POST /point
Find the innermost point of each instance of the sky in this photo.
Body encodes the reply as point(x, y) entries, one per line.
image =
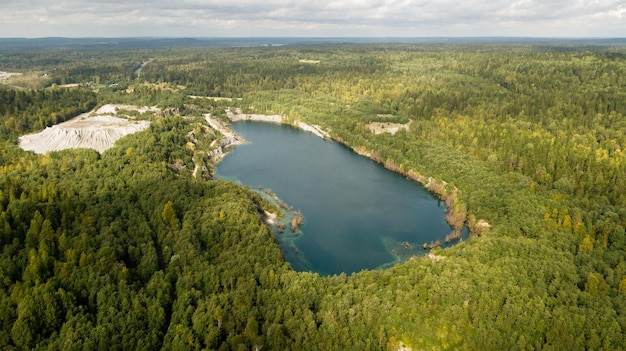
point(318, 18)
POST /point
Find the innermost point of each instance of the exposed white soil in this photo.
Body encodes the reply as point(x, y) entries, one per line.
point(6, 75)
point(224, 130)
point(434, 258)
point(218, 147)
point(270, 218)
point(111, 109)
point(239, 116)
point(97, 130)
point(383, 127)
point(71, 85)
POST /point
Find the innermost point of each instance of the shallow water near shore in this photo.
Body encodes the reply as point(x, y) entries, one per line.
point(357, 214)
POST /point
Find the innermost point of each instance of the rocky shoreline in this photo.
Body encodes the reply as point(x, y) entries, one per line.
point(456, 214)
point(219, 148)
point(238, 115)
point(456, 211)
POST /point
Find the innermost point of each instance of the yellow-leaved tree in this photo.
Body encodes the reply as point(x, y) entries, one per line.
point(169, 216)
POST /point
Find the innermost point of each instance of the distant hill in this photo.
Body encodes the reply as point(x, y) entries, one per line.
point(56, 43)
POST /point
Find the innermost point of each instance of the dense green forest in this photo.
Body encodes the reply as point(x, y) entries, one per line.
point(123, 250)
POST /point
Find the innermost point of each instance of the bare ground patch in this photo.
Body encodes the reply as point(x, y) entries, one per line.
point(384, 127)
point(98, 130)
point(29, 80)
point(314, 62)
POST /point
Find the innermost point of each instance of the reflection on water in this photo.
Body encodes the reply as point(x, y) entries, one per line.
point(357, 215)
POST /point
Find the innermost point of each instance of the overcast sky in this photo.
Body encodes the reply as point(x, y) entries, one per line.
point(326, 18)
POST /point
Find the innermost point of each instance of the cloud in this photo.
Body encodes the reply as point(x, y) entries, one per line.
point(313, 18)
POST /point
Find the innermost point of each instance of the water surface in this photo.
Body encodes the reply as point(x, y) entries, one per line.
point(358, 215)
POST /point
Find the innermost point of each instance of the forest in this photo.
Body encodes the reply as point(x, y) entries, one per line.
point(124, 250)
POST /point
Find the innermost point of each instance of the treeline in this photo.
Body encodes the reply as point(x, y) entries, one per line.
point(76, 65)
point(128, 250)
point(23, 111)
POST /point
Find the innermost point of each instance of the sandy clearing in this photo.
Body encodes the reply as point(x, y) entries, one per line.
point(6, 75)
point(391, 128)
point(92, 130)
point(71, 85)
point(111, 109)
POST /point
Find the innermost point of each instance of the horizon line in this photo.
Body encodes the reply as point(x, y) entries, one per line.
point(320, 37)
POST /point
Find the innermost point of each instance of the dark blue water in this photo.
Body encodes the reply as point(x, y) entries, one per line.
point(358, 215)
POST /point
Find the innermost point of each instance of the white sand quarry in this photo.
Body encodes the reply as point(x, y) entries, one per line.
point(97, 130)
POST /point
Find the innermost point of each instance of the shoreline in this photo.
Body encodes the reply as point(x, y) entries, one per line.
point(230, 139)
point(457, 215)
point(279, 119)
point(456, 212)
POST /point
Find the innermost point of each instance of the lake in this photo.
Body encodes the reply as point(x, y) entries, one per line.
point(357, 214)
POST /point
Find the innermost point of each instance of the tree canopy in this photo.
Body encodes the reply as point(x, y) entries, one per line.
point(129, 250)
